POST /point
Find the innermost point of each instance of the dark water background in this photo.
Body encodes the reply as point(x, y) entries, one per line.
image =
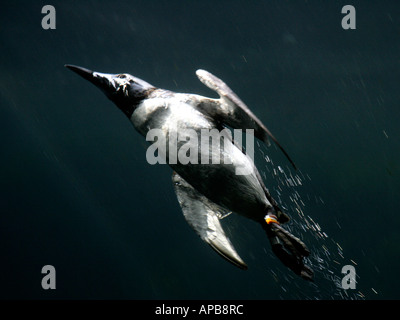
point(76, 190)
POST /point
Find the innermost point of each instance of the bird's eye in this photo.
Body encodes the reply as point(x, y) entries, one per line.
point(121, 76)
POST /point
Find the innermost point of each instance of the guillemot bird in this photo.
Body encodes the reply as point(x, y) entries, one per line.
point(207, 192)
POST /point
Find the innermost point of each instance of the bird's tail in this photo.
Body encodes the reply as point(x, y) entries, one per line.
point(288, 248)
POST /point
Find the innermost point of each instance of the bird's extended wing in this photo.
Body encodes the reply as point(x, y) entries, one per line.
point(202, 215)
point(233, 112)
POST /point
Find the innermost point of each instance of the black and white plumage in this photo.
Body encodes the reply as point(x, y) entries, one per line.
point(207, 192)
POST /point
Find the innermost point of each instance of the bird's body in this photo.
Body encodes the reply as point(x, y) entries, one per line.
point(206, 190)
point(174, 113)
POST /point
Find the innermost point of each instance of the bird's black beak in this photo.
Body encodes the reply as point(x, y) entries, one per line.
point(124, 90)
point(103, 81)
point(83, 72)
